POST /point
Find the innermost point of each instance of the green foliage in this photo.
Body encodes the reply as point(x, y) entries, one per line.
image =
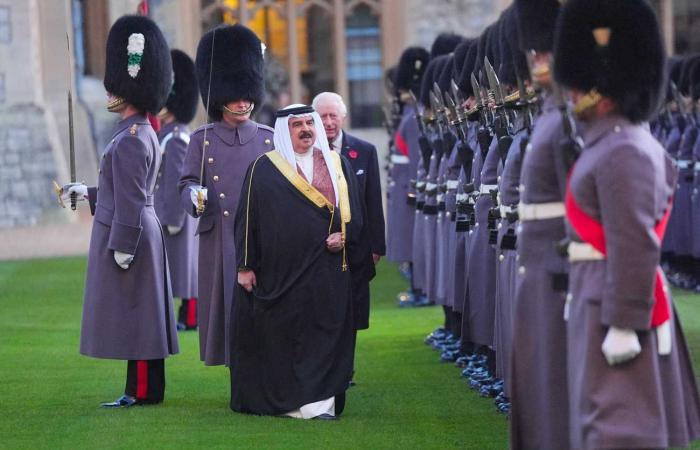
point(405, 398)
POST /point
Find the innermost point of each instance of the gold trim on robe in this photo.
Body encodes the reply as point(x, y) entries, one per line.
point(310, 192)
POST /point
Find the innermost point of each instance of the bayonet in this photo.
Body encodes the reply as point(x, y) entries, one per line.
point(494, 83)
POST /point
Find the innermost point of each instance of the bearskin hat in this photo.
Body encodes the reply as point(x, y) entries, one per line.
point(536, 23)
point(614, 47)
point(445, 77)
point(444, 44)
point(460, 54)
point(432, 74)
point(411, 67)
point(468, 67)
point(182, 101)
point(137, 64)
point(235, 66)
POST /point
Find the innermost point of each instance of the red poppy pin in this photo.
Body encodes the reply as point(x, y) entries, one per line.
point(352, 154)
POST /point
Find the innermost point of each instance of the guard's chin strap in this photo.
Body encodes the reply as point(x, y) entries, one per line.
point(240, 113)
point(115, 104)
point(588, 101)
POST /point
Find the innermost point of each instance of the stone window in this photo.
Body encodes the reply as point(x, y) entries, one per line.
point(5, 25)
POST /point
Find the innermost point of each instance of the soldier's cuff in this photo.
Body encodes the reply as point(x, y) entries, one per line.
point(124, 238)
point(632, 314)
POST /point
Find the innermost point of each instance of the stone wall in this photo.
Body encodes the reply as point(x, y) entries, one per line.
point(27, 167)
point(427, 19)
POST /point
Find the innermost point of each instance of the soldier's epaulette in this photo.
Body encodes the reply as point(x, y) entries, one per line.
point(133, 129)
point(265, 127)
point(207, 126)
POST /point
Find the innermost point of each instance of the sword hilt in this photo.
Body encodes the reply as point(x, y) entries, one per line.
point(200, 203)
point(58, 190)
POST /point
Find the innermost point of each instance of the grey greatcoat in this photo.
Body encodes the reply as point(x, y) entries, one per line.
point(418, 247)
point(128, 314)
point(404, 164)
point(695, 202)
point(226, 158)
point(680, 222)
point(482, 257)
point(430, 210)
point(538, 389)
point(469, 186)
point(452, 170)
point(182, 247)
point(672, 144)
point(652, 400)
point(506, 268)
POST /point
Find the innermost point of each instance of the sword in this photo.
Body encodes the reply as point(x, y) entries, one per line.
point(200, 194)
point(71, 138)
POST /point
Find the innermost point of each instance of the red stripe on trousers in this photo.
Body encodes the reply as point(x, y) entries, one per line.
point(192, 312)
point(141, 379)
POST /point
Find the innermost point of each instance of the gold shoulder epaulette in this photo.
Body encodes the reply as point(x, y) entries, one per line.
point(133, 128)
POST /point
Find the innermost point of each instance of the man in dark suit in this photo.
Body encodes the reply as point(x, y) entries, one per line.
point(363, 158)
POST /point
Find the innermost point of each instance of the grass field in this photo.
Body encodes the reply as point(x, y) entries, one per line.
point(405, 399)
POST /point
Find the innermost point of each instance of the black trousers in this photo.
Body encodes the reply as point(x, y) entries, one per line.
point(145, 380)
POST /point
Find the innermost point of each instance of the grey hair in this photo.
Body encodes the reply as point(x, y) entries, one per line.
point(330, 96)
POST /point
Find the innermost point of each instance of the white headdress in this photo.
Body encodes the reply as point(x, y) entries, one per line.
point(283, 140)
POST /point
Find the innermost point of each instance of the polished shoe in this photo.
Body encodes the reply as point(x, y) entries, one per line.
point(125, 401)
point(450, 356)
point(423, 301)
point(503, 408)
point(326, 416)
point(437, 334)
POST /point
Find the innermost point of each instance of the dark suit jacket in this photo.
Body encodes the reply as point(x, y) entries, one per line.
point(363, 158)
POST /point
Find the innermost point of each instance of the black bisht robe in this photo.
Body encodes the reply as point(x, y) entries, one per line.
point(292, 337)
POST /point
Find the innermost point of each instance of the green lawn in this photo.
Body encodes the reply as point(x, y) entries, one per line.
point(404, 398)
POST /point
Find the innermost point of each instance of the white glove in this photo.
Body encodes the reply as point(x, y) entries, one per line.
point(123, 259)
point(620, 345)
point(80, 190)
point(194, 195)
point(173, 230)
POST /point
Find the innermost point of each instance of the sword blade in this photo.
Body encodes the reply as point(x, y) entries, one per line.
point(71, 134)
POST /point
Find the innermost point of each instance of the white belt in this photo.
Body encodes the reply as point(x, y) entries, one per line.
point(697, 166)
point(452, 184)
point(440, 198)
point(430, 187)
point(461, 198)
point(541, 211)
point(487, 188)
point(582, 251)
point(684, 163)
point(399, 159)
point(420, 184)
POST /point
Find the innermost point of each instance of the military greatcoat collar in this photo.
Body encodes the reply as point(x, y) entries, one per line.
point(166, 128)
point(136, 119)
point(245, 132)
point(598, 128)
